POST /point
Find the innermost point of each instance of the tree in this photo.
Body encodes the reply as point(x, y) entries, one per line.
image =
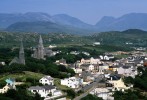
point(37, 97)
point(91, 97)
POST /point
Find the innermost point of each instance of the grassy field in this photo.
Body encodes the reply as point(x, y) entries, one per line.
point(21, 76)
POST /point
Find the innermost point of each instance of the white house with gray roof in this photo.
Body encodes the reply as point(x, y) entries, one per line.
point(47, 80)
point(43, 91)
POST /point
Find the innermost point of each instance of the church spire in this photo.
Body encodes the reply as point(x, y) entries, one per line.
point(40, 40)
point(21, 48)
point(21, 54)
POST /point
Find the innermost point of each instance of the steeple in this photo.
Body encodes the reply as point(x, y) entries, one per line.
point(40, 40)
point(40, 49)
point(39, 53)
point(21, 48)
point(21, 54)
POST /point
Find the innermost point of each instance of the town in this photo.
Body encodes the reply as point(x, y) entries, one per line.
point(101, 76)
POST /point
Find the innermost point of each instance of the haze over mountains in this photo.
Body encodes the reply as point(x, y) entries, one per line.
point(45, 23)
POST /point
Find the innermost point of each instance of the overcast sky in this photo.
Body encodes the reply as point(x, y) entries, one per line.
point(89, 11)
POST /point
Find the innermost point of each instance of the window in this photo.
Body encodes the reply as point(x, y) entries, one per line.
point(34, 90)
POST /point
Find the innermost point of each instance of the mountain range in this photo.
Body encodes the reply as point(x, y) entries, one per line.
point(45, 23)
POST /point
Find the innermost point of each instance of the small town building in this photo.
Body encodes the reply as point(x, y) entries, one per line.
point(47, 80)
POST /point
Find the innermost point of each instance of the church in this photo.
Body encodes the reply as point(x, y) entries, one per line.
point(39, 52)
point(21, 58)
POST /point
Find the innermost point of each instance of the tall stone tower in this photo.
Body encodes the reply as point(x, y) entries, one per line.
point(40, 49)
point(21, 54)
point(21, 58)
point(39, 53)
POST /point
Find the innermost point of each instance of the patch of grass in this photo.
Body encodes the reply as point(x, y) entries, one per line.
point(121, 56)
point(21, 76)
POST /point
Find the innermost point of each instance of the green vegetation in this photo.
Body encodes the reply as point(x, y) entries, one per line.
point(58, 84)
point(129, 95)
point(12, 39)
point(140, 80)
point(34, 65)
point(21, 76)
point(19, 94)
point(139, 90)
point(135, 36)
point(91, 97)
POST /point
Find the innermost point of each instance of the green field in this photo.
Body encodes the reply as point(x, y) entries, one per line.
point(21, 76)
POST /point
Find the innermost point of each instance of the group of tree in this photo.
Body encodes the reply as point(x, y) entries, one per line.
point(129, 95)
point(19, 94)
point(140, 80)
point(47, 66)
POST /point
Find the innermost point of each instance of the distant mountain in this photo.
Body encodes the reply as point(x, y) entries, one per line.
point(8, 19)
point(64, 19)
point(106, 20)
point(64, 23)
point(128, 21)
point(45, 27)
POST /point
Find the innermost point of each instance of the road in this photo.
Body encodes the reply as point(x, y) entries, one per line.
point(90, 87)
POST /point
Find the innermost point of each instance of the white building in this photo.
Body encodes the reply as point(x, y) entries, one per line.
point(106, 57)
point(96, 43)
point(43, 91)
point(90, 61)
point(127, 72)
point(72, 82)
point(103, 93)
point(91, 67)
point(47, 80)
point(77, 70)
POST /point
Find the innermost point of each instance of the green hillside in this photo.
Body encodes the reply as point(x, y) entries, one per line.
point(12, 39)
point(134, 36)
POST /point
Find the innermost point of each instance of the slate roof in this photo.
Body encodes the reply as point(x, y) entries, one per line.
point(45, 87)
point(48, 77)
point(48, 87)
point(36, 88)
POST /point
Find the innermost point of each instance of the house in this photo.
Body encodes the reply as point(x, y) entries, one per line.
point(117, 83)
point(43, 91)
point(47, 80)
point(6, 88)
point(2, 63)
point(90, 61)
point(61, 62)
point(52, 46)
point(77, 70)
point(103, 93)
point(127, 71)
point(89, 67)
point(106, 57)
point(96, 43)
point(72, 82)
point(86, 53)
point(103, 66)
point(10, 85)
point(75, 52)
point(86, 76)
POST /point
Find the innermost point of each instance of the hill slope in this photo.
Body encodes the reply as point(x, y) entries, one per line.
point(45, 27)
point(128, 21)
point(135, 36)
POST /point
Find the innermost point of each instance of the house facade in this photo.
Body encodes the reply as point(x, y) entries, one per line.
point(47, 80)
point(72, 82)
point(43, 91)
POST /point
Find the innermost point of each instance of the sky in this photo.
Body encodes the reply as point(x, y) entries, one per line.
point(89, 11)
